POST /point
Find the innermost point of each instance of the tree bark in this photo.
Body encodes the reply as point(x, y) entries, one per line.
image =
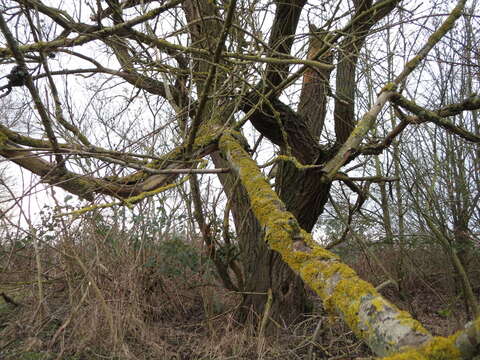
point(263, 268)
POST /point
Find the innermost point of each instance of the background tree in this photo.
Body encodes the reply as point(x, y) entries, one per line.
point(444, 193)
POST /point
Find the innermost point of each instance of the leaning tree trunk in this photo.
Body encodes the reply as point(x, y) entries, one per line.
point(263, 268)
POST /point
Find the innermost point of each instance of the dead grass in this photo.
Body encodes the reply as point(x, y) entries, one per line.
point(110, 295)
point(429, 288)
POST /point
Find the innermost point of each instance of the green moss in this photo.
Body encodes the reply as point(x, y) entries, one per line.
point(32, 355)
point(391, 86)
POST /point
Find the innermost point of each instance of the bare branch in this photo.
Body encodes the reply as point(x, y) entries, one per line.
point(351, 146)
point(211, 75)
point(424, 115)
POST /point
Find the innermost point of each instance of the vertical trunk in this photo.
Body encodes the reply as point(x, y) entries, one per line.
point(387, 223)
point(401, 268)
point(305, 196)
point(263, 268)
point(288, 291)
point(461, 257)
point(315, 88)
point(303, 193)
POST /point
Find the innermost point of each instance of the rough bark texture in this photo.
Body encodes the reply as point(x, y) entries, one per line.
point(386, 329)
point(350, 47)
point(263, 268)
point(303, 192)
point(287, 14)
point(315, 88)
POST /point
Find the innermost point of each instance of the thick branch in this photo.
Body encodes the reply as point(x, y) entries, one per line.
point(168, 168)
point(270, 117)
point(425, 115)
point(462, 345)
point(40, 107)
point(385, 328)
point(315, 87)
point(295, 126)
point(284, 26)
point(79, 185)
point(472, 103)
point(351, 146)
point(211, 74)
point(344, 113)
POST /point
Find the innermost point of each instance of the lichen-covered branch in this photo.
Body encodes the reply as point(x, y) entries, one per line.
point(129, 201)
point(40, 107)
point(465, 345)
point(447, 25)
point(386, 329)
point(351, 147)
point(49, 173)
point(425, 115)
point(85, 186)
point(471, 103)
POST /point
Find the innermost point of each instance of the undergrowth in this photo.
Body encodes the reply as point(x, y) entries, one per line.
point(89, 290)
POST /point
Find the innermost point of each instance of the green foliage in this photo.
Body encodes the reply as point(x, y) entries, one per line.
point(445, 313)
point(31, 355)
point(175, 257)
point(228, 252)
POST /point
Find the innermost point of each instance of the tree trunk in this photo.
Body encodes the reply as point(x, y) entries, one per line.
point(268, 271)
point(461, 255)
point(263, 268)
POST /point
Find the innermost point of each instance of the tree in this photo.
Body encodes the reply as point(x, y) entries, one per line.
point(211, 65)
point(443, 186)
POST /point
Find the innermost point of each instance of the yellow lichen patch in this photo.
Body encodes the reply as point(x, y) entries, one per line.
point(341, 269)
point(391, 86)
point(299, 257)
point(129, 202)
point(347, 298)
point(405, 319)
point(379, 304)
point(438, 348)
point(311, 274)
point(322, 253)
point(292, 160)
